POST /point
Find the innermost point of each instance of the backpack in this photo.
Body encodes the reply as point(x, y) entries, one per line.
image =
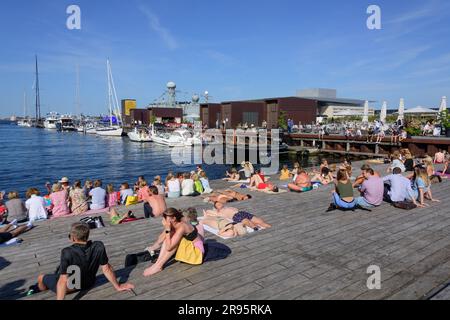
point(93, 222)
point(405, 205)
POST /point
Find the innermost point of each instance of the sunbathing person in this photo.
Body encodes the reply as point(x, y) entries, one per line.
point(176, 233)
point(226, 196)
point(116, 218)
point(233, 176)
point(226, 227)
point(11, 231)
point(237, 216)
point(325, 177)
point(302, 183)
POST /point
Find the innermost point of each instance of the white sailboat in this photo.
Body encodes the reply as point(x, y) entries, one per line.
point(113, 130)
point(25, 122)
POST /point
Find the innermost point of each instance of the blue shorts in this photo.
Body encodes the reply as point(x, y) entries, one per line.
point(241, 216)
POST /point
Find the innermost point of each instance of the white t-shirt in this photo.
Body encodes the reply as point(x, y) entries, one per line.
point(98, 198)
point(173, 185)
point(124, 194)
point(36, 208)
point(187, 187)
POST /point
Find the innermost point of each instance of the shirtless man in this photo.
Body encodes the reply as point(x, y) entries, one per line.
point(302, 183)
point(227, 196)
point(154, 204)
point(236, 216)
point(439, 157)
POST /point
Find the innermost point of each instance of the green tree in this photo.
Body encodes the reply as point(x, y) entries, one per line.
point(282, 121)
point(152, 119)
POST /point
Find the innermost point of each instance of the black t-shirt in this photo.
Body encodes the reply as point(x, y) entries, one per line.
point(87, 257)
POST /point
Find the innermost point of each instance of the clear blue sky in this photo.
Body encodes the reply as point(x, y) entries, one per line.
point(234, 49)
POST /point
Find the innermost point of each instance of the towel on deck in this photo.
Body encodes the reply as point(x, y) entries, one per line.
point(12, 242)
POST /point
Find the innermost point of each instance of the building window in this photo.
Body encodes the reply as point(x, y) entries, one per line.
point(250, 118)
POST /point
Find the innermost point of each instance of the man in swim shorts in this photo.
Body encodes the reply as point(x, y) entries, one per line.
point(237, 216)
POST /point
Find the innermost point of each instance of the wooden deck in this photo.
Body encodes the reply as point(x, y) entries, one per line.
point(308, 254)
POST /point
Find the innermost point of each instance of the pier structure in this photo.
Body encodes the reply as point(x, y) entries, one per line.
point(419, 146)
point(307, 254)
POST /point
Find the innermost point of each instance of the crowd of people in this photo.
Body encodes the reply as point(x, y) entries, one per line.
point(63, 198)
point(407, 184)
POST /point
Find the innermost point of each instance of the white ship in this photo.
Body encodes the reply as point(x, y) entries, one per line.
point(51, 120)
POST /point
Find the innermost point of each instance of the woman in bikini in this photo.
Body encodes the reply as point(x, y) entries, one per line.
point(226, 196)
point(175, 231)
point(226, 227)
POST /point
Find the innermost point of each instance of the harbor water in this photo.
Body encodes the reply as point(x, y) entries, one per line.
point(31, 157)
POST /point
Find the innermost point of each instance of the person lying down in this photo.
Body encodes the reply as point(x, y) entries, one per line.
point(225, 196)
point(237, 216)
point(226, 228)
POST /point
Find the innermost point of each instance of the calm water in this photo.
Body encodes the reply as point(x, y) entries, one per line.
point(31, 157)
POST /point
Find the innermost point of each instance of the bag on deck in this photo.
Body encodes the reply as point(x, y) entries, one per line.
point(131, 200)
point(136, 258)
point(93, 222)
point(405, 205)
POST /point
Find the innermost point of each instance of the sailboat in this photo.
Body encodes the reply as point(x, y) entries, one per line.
point(114, 128)
point(25, 122)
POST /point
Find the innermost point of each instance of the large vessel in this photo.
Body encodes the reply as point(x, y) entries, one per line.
point(114, 128)
point(51, 120)
point(65, 123)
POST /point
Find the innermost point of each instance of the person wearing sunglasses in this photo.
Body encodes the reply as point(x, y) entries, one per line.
point(179, 238)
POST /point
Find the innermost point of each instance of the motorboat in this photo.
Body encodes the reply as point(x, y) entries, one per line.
point(51, 120)
point(177, 138)
point(87, 128)
point(140, 135)
point(65, 123)
point(28, 123)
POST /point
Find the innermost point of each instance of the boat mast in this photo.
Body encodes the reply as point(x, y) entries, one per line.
point(109, 92)
point(77, 92)
point(24, 104)
point(114, 99)
point(38, 98)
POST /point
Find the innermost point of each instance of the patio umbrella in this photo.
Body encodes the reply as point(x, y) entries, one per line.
point(366, 112)
point(443, 104)
point(401, 110)
point(383, 113)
